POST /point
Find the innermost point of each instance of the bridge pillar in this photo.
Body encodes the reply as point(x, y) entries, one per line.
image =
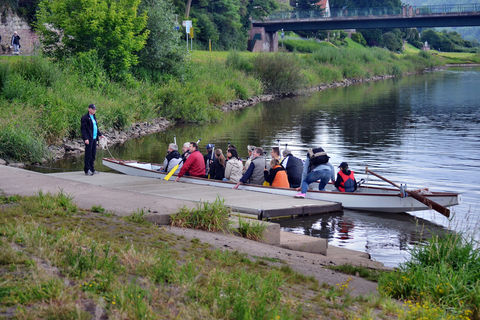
point(260, 40)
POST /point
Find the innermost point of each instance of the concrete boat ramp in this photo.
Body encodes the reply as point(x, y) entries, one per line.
point(262, 205)
point(124, 195)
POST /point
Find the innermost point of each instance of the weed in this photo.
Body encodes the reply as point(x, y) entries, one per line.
point(252, 231)
point(206, 216)
point(98, 209)
point(366, 273)
point(137, 217)
point(9, 199)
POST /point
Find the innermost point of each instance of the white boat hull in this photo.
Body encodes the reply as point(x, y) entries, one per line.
point(365, 198)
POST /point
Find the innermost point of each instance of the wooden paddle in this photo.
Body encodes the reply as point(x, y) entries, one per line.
point(170, 174)
point(416, 195)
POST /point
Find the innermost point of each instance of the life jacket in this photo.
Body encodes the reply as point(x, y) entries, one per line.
point(348, 183)
point(317, 157)
point(281, 179)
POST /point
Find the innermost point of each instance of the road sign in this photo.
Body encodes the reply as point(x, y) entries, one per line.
point(187, 24)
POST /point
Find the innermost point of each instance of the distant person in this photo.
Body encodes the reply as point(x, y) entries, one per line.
point(254, 173)
point(234, 166)
point(217, 168)
point(294, 167)
point(194, 166)
point(185, 151)
point(277, 175)
point(250, 157)
point(275, 153)
point(16, 43)
point(345, 179)
point(172, 159)
point(90, 136)
point(208, 158)
point(316, 167)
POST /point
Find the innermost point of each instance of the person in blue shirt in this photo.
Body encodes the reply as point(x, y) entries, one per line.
point(90, 136)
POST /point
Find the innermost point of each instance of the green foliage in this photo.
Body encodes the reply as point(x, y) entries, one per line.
point(19, 143)
point(98, 209)
point(278, 72)
point(111, 27)
point(164, 52)
point(366, 273)
point(304, 46)
point(47, 204)
point(207, 216)
point(442, 273)
point(392, 42)
point(358, 37)
point(89, 67)
point(251, 230)
point(239, 62)
point(137, 217)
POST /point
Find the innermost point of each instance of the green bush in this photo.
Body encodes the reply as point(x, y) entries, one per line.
point(304, 46)
point(278, 72)
point(443, 272)
point(358, 38)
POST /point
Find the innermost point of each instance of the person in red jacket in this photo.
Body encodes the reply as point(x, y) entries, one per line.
point(194, 166)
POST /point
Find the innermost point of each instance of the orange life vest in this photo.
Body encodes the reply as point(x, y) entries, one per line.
point(281, 179)
point(348, 183)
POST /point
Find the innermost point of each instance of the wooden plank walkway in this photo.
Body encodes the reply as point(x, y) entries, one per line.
point(262, 205)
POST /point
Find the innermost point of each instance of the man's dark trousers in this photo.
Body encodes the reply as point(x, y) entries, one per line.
point(90, 153)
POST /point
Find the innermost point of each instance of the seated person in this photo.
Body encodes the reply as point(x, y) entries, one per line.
point(316, 167)
point(217, 168)
point(254, 173)
point(194, 166)
point(345, 179)
point(172, 159)
point(234, 166)
point(294, 167)
point(277, 175)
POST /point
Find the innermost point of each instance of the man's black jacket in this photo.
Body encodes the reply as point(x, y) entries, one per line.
point(87, 128)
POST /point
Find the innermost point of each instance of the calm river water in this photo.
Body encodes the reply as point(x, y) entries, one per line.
point(422, 130)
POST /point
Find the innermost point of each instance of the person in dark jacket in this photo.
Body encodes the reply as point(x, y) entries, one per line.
point(90, 136)
point(16, 43)
point(208, 158)
point(345, 181)
point(294, 167)
point(217, 168)
point(254, 173)
point(172, 159)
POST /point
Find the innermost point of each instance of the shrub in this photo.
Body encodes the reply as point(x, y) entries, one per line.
point(278, 72)
point(358, 38)
point(441, 273)
point(19, 143)
point(38, 70)
point(236, 61)
point(207, 216)
point(252, 231)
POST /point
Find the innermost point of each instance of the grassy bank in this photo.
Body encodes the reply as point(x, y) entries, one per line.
point(41, 102)
point(59, 262)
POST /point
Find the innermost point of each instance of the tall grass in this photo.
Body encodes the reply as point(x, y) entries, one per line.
point(206, 216)
point(444, 273)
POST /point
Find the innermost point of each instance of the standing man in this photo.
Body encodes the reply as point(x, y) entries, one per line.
point(90, 136)
point(194, 165)
point(254, 173)
point(16, 43)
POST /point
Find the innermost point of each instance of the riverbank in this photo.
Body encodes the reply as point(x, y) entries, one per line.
point(45, 100)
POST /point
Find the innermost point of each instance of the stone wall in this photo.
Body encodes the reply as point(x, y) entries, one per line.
point(9, 23)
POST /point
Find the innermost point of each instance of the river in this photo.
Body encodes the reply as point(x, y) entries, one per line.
point(423, 130)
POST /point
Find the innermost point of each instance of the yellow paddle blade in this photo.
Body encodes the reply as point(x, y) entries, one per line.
point(266, 184)
point(170, 174)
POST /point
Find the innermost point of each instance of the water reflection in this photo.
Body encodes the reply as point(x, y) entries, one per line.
point(386, 237)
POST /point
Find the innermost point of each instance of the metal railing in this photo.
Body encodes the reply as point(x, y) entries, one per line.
point(407, 11)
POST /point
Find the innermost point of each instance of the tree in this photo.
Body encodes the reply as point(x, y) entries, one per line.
point(392, 41)
point(111, 28)
point(164, 51)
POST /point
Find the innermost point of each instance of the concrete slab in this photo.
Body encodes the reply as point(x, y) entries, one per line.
point(271, 235)
point(85, 194)
point(300, 242)
point(261, 204)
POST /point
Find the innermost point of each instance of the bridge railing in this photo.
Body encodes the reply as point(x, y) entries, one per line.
point(365, 12)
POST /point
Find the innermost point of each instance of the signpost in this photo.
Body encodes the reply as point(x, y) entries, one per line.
point(188, 25)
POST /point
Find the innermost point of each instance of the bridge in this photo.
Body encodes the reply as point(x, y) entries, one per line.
point(264, 35)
